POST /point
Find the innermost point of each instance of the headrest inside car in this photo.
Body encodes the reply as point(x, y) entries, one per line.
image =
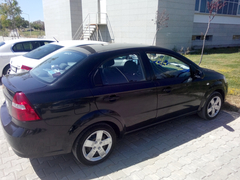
point(108, 63)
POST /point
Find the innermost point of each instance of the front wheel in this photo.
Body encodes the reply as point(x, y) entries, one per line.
point(212, 106)
point(95, 144)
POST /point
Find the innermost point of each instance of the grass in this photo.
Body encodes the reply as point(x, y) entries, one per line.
point(227, 62)
point(34, 34)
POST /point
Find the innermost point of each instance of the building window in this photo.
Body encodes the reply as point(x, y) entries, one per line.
point(197, 37)
point(232, 7)
point(236, 37)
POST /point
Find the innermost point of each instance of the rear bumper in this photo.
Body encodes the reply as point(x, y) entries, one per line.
point(27, 141)
point(15, 70)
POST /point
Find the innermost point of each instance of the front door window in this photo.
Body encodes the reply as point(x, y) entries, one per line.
point(166, 67)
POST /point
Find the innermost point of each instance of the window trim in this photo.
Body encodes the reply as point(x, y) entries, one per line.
point(236, 37)
point(227, 1)
point(208, 37)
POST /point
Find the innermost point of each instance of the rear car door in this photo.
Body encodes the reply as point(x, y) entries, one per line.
point(123, 91)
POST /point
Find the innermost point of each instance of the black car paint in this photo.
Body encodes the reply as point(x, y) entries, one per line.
point(65, 115)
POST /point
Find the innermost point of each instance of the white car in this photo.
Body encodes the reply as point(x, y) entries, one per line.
point(32, 59)
point(17, 47)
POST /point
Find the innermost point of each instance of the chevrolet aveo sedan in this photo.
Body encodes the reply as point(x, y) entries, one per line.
point(82, 99)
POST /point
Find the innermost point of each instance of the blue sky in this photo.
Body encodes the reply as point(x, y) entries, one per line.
point(33, 8)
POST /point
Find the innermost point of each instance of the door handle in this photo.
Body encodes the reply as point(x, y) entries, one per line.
point(167, 90)
point(111, 98)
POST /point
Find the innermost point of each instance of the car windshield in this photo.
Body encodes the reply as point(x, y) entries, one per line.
point(57, 65)
point(2, 43)
point(42, 51)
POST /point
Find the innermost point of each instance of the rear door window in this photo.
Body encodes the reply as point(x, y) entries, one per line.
point(126, 68)
point(22, 47)
point(28, 46)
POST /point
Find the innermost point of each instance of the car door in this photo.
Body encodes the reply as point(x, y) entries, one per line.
point(176, 90)
point(124, 91)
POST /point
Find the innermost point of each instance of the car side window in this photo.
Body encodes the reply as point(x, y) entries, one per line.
point(18, 47)
point(46, 42)
point(27, 46)
point(36, 44)
point(165, 66)
point(22, 47)
point(122, 69)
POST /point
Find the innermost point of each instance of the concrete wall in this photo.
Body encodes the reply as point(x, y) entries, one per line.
point(178, 34)
point(134, 22)
point(222, 35)
point(131, 20)
point(89, 6)
point(76, 15)
point(222, 29)
point(62, 18)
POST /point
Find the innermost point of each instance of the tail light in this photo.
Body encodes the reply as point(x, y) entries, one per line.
point(26, 67)
point(22, 109)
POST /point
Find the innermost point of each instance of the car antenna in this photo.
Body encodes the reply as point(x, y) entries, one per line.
point(55, 39)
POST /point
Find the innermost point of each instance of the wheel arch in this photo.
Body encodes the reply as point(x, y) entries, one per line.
point(93, 118)
point(4, 69)
point(215, 88)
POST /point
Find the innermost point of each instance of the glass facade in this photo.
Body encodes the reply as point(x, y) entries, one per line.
point(231, 7)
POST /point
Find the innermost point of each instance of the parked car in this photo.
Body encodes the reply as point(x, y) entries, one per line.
point(17, 47)
point(31, 59)
point(79, 100)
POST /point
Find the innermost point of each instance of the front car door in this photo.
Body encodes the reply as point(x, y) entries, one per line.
point(177, 93)
point(125, 91)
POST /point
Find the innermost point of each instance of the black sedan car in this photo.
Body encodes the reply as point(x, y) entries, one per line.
point(84, 98)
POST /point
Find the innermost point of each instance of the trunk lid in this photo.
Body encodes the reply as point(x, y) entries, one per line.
point(18, 83)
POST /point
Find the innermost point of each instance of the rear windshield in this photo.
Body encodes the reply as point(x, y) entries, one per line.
point(2, 43)
point(54, 67)
point(42, 51)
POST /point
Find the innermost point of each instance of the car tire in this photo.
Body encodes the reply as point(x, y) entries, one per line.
point(212, 106)
point(95, 144)
point(7, 70)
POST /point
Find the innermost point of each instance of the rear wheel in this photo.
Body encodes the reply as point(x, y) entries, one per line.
point(95, 144)
point(212, 106)
point(7, 70)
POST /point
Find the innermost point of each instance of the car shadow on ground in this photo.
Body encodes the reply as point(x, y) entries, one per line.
point(133, 149)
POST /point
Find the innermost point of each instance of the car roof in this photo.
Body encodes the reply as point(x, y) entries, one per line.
point(99, 48)
point(94, 49)
point(70, 43)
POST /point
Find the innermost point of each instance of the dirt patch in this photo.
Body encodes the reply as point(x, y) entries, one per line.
point(232, 103)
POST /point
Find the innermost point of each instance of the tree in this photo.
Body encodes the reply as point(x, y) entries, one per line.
point(21, 22)
point(9, 11)
point(212, 7)
point(161, 22)
point(38, 25)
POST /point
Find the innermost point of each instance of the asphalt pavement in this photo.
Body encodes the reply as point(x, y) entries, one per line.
point(186, 148)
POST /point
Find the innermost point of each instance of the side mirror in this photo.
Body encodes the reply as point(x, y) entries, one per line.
point(198, 74)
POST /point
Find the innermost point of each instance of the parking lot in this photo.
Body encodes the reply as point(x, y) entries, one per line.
point(184, 148)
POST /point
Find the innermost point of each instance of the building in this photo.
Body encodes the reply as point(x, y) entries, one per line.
point(133, 21)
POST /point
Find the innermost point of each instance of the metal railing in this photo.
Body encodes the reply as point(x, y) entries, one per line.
point(91, 20)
